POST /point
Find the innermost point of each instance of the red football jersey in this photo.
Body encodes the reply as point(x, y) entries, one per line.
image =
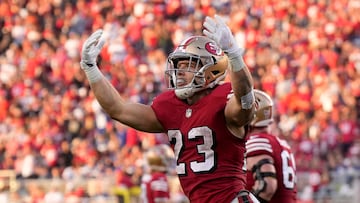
point(154, 187)
point(209, 158)
point(280, 151)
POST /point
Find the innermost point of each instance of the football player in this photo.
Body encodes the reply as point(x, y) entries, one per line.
point(154, 183)
point(204, 117)
point(271, 172)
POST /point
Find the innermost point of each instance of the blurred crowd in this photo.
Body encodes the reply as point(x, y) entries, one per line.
point(305, 54)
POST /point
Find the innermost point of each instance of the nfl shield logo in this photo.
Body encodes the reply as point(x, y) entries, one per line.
point(188, 113)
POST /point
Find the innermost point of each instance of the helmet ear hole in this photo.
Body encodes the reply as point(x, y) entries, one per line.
point(215, 72)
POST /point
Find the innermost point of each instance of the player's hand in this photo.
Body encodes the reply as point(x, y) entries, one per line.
point(217, 30)
point(91, 49)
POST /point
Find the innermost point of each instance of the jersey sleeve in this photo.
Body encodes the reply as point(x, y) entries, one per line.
point(256, 145)
point(166, 107)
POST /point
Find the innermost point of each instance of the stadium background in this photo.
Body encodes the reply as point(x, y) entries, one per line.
point(55, 137)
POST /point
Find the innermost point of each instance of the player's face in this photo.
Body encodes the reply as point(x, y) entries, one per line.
point(185, 72)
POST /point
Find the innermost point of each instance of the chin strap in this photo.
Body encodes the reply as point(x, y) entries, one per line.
point(188, 91)
point(185, 92)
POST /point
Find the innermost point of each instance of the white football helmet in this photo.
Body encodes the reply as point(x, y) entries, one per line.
point(211, 65)
point(155, 159)
point(264, 105)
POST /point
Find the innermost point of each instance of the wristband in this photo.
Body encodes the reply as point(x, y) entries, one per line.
point(237, 63)
point(234, 52)
point(92, 72)
point(236, 59)
point(247, 100)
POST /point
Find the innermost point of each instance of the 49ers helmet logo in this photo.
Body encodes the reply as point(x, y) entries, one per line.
point(213, 49)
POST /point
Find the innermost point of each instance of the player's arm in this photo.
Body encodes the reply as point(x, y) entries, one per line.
point(264, 174)
point(135, 115)
point(240, 109)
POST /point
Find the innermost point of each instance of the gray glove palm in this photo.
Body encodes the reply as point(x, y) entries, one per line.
point(90, 51)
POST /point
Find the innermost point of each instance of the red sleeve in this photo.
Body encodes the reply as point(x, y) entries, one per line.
point(168, 109)
point(258, 144)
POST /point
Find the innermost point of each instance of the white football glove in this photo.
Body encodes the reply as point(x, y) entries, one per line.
point(217, 30)
point(90, 51)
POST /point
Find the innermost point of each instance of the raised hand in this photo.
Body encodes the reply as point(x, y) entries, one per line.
point(91, 49)
point(217, 30)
